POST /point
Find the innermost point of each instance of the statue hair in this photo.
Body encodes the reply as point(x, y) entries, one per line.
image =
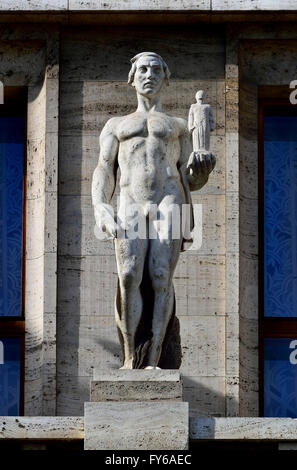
point(153, 54)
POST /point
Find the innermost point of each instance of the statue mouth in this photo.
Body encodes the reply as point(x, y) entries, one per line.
point(149, 84)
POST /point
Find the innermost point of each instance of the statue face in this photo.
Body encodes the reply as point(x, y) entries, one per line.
point(200, 95)
point(149, 76)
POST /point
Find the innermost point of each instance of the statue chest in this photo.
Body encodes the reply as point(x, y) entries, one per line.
point(158, 126)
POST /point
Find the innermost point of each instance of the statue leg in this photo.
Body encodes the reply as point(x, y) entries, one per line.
point(195, 140)
point(130, 256)
point(201, 137)
point(163, 258)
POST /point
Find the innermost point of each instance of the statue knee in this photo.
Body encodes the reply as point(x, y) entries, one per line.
point(130, 278)
point(160, 278)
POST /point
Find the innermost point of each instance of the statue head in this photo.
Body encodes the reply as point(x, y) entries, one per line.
point(148, 73)
point(200, 96)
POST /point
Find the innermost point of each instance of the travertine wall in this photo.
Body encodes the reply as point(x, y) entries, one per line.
point(94, 69)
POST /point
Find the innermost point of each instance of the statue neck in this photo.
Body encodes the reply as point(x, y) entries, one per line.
point(146, 104)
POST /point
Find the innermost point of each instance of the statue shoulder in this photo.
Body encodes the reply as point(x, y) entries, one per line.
point(111, 125)
point(183, 125)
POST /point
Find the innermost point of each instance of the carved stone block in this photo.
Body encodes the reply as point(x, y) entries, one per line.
point(136, 426)
point(136, 385)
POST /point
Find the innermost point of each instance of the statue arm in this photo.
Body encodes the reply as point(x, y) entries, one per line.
point(104, 179)
point(104, 176)
point(195, 170)
point(191, 120)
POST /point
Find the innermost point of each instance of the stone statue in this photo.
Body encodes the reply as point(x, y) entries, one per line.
point(151, 149)
point(201, 122)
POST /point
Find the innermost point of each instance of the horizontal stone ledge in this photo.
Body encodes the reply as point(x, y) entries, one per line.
point(103, 5)
point(241, 429)
point(146, 5)
point(42, 427)
point(207, 429)
point(136, 385)
point(142, 375)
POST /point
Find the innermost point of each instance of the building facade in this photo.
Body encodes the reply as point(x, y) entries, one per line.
point(64, 68)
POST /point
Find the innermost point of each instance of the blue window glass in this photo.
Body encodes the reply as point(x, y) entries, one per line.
point(11, 214)
point(280, 377)
point(280, 216)
point(10, 350)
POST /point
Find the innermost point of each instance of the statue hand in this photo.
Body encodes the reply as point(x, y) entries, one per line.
point(105, 228)
point(201, 163)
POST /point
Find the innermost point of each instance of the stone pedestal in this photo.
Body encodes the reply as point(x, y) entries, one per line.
point(136, 410)
point(136, 385)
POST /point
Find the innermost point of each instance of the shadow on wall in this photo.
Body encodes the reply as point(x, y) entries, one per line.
point(204, 400)
point(71, 386)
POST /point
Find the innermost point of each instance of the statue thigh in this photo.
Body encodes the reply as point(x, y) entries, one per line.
point(163, 258)
point(130, 257)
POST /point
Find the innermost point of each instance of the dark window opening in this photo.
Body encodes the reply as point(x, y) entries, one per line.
point(12, 249)
point(278, 257)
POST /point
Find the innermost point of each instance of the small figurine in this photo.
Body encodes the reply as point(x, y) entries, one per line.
point(201, 123)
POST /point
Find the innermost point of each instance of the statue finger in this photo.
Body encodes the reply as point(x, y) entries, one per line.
point(204, 163)
point(197, 165)
point(191, 161)
point(210, 164)
point(207, 164)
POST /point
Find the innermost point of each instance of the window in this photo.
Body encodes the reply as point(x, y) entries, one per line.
point(12, 249)
point(278, 258)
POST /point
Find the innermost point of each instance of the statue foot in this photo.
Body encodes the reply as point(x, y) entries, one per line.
point(127, 364)
point(152, 367)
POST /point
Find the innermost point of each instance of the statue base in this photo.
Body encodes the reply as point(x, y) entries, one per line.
point(136, 410)
point(136, 385)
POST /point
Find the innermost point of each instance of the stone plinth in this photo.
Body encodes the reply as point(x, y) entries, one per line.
point(136, 385)
point(136, 426)
point(136, 410)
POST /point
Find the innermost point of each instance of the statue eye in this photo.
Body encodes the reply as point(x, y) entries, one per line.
point(142, 69)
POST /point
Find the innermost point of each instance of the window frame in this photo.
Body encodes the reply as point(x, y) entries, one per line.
point(269, 327)
point(15, 105)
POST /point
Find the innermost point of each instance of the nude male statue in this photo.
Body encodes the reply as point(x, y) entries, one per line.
point(152, 150)
point(201, 122)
